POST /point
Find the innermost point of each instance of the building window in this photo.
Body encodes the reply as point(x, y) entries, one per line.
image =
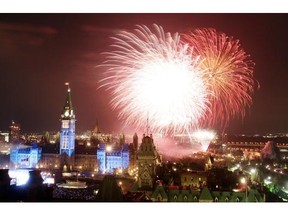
point(175, 197)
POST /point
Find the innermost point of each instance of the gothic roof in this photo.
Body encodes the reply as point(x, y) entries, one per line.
point(159, 190)
point(136, 197)
point(175, 194)
point(109, 190)
point(147, 147)
point(205, 195)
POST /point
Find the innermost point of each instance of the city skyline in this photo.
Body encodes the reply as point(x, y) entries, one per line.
point(40, 52)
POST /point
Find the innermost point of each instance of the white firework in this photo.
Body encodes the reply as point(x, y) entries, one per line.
point(152, 75)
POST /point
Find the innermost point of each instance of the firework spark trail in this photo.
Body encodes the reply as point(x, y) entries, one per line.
point(228, 73)
point(152, 72)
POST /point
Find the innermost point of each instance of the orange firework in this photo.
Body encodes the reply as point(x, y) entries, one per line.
point(227, 72)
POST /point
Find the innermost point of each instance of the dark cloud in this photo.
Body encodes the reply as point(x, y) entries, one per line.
point(96, 29)
point(18, 36)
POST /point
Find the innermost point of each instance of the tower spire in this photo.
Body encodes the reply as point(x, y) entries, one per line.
point(67, 133)
point(147, 125)
point(68, 109)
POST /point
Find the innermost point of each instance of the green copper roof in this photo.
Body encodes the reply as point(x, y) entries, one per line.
point(182, 195)
point(224, 196)
point(254, 196)
point(205, 195)
point(238, 197)
point(109, 190)
point(159, 190)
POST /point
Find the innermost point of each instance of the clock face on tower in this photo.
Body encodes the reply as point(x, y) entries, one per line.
point(66, 113)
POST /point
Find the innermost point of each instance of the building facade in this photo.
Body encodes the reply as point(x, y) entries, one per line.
point(25, 157)
point(67, 134)
point(112, 159)
point(148, 159)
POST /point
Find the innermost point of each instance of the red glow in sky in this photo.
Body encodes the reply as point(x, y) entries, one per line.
point(40, 52)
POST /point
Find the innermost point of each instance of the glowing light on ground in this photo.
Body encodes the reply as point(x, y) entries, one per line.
point(19, 176)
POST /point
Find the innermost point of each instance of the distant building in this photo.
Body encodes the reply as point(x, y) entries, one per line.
point(25, 157)
point(110, 159)
point(195, 179)
point(14, 132)
point(85, 158)
point(67, 134)
point(4, 136)
point(69, 154)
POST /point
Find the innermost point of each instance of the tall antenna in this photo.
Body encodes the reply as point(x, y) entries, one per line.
point(68, 86)
point(147, 124)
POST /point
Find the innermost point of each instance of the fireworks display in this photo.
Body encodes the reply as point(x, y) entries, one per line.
point(204, 137)
point(202, 79)
point(152, 75)
point(228, 74)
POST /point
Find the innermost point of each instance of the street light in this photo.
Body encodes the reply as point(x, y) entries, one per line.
point(244, 182)
point(253, 171)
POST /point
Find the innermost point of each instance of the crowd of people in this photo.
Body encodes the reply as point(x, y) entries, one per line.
point(73, 194)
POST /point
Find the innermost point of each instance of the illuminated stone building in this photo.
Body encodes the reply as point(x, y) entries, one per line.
point(113, 158)
point(71, 154)
point(148, 159)
point(85, 158)
point(67, 134)
point(25, 157)
point(194, 179)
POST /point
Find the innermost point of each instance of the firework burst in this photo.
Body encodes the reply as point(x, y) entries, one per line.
point(228, 74)
point(151, 74)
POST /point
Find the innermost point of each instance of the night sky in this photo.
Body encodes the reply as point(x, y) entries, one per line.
point(40, 52)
